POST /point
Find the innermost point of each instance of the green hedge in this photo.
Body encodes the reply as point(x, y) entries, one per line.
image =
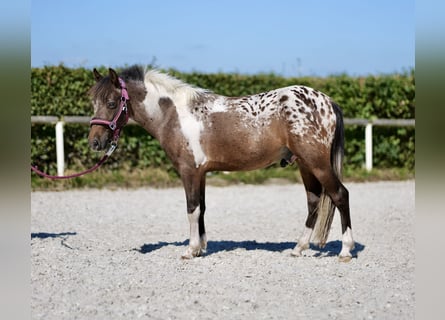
point(60, 91)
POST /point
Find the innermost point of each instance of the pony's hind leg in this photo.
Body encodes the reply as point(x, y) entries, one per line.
point(313, 192)
point(318, 172)
point(194, 185)
point(340, 197)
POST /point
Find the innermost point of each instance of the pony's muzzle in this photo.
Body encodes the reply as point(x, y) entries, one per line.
point(98, 138)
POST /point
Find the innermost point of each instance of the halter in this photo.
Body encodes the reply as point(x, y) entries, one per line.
point(113, 125)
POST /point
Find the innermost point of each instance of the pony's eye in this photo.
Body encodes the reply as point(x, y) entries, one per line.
point(111, 104)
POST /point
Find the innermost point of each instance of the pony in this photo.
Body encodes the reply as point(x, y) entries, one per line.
point(201, 131)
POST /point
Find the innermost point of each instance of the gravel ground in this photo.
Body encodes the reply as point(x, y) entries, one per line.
point(102, 254)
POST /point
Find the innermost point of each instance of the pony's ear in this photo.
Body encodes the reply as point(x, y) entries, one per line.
point(114, 78)
point(97, 75)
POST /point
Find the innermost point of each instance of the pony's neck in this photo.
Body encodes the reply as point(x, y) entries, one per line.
point(146, 109)
point(137, 109)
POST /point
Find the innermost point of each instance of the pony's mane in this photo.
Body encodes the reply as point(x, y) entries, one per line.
point(173, 86)
point(179, 91)
point(135, 72)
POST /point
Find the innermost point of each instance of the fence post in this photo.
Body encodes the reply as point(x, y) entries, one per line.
point(368, 146)
point(60, 152)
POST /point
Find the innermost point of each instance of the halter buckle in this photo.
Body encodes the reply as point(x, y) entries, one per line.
point(113, 146)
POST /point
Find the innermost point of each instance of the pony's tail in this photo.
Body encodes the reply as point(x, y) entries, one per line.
point(326, 207)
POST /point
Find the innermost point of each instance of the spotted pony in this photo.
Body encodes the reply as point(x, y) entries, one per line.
point(202, 131)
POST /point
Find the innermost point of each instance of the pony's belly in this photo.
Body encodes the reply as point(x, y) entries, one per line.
point(231, 144)
point(245, 160)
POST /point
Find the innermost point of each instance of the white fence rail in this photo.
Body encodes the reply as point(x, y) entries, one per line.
point(368, 124)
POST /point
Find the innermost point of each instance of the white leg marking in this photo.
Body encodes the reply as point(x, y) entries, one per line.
point(347, 246)
point(303, 242)
point(194, 248)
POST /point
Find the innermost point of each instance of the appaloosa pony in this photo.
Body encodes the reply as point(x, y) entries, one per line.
point(201, 131)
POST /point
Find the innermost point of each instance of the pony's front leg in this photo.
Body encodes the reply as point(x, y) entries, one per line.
point(194, 188)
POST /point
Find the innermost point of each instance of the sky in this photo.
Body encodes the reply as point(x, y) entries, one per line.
point(289, 38)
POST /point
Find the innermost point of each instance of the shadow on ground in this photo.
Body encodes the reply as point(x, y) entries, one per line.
point(45, 235)
point(63, 236)
point(332, 248)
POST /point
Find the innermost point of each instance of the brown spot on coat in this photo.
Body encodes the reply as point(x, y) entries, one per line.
point(165, 103)
point(283, 98)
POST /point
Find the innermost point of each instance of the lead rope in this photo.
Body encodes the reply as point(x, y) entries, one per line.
point(97, 165)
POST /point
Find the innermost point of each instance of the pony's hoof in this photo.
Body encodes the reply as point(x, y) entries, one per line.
point(186, 257)
point(295, 253)
point(191, 253)
point(344, 258)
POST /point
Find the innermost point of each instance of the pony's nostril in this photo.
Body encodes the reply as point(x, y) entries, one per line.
point(95, 144)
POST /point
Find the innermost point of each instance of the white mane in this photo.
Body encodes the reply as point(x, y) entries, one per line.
point(180, 92)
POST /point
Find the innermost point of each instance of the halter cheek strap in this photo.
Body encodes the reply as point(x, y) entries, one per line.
point(113, 124)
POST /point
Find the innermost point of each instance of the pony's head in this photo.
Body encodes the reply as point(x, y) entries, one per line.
point(109, 96)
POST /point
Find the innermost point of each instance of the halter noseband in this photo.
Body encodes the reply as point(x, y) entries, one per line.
point(113, 124)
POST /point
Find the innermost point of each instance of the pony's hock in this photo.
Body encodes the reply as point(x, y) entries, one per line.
point(201, 131)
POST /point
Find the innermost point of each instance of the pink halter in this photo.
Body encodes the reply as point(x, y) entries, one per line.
point(122, 109)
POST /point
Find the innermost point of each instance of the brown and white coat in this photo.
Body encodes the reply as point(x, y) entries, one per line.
point(201, 131)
